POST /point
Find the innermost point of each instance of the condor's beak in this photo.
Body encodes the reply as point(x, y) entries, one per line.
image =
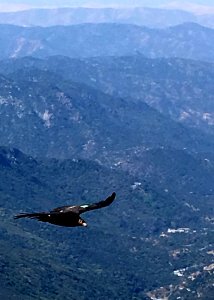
point(82, 223)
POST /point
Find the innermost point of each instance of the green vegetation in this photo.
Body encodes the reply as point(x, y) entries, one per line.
point(121, 253)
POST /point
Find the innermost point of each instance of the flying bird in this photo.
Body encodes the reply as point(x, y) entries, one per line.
point(68, 216)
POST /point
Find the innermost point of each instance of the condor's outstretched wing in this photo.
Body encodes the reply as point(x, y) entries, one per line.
point(79, 209)
point(97, 205)
point(43, 216)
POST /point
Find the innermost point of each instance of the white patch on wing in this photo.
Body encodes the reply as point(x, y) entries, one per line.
point(84, 206)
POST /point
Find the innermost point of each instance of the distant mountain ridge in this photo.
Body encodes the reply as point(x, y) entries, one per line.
point(188, 40)
point(45, 115)
point(142, 16)
point(175, 87)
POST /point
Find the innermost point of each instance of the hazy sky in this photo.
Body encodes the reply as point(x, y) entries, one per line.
point(198, 6)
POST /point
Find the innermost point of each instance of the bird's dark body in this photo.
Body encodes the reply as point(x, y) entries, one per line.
point(68, 216)
point(65, 219)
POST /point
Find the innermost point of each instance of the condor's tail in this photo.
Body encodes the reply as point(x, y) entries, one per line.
point(43, 217)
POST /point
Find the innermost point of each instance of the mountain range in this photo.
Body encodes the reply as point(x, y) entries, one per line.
point(177, 88)
point(45, 115)
point(97, 108)
point(188, 40)
point(157, 167)
point(142, 16)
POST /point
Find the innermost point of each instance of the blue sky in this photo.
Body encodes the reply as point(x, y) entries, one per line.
point(71, 2)
point(181, 4)
point(74, 2)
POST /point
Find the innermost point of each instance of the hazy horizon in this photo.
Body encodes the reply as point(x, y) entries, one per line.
point(196, 6)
